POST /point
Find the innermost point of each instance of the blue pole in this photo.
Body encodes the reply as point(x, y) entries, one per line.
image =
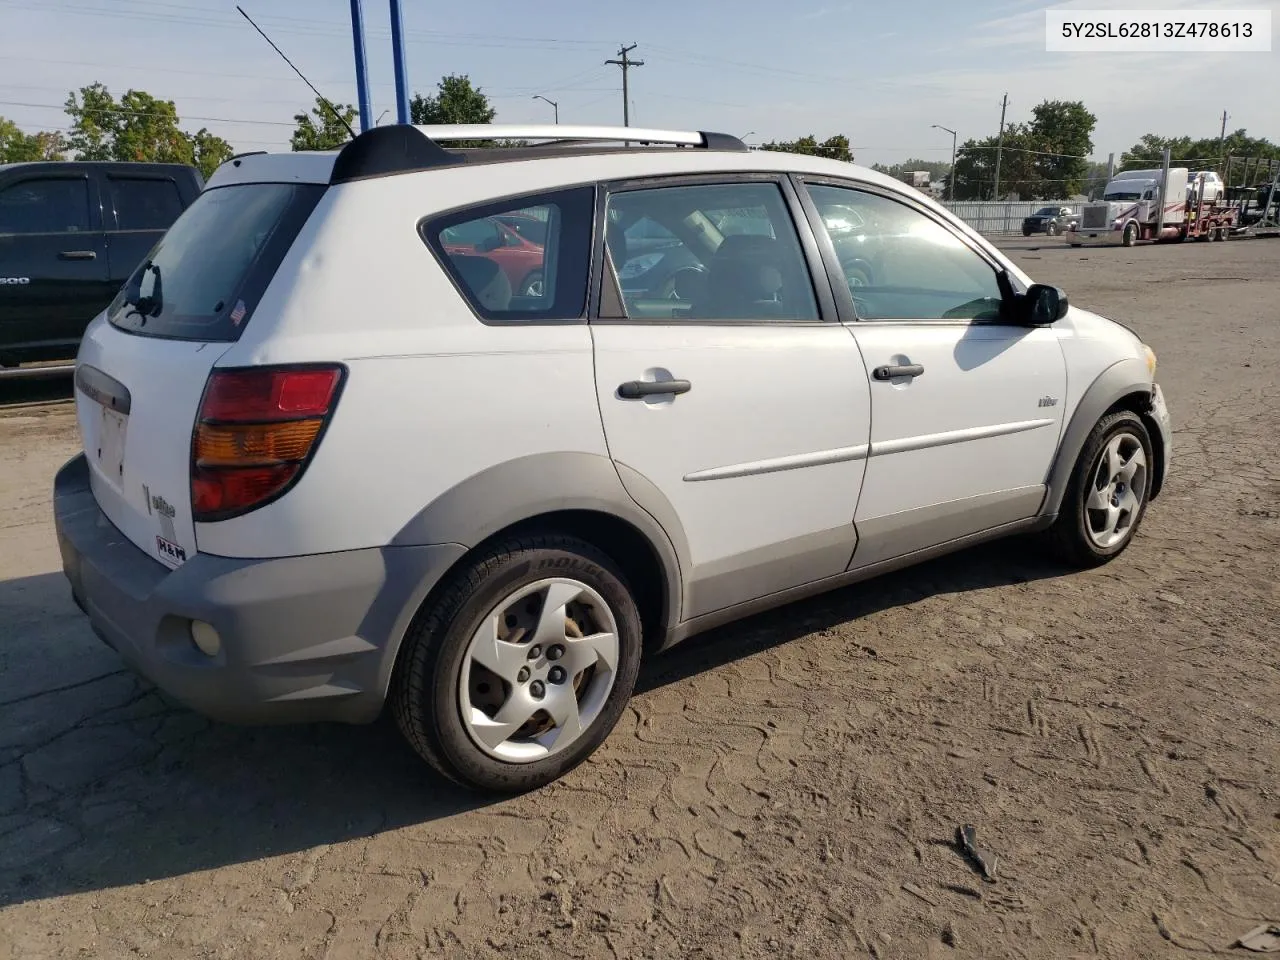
point(397, 52)
point(362, 71)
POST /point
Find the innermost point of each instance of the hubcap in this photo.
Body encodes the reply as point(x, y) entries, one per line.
point(538, 671)
point(1119, 482)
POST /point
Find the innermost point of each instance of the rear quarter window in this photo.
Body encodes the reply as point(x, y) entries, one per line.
point(519, 260)
point(144, 203)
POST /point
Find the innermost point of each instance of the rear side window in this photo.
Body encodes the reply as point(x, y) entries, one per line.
point(519, 260)
point(49, 205)
point(142, 204)
point(203, 278)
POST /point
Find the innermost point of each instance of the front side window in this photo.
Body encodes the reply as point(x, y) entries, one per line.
point(49, 205)
point(522, 262)
point(902, 265)
point(708, 252)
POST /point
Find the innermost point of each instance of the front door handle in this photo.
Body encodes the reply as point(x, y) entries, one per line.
point(893, 371)
point(636, 389)
point(78, 255)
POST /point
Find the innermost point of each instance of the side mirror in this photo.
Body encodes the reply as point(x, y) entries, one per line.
point(489, 244)
point(1042, 305)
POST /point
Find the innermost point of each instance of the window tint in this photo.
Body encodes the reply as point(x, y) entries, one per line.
point(900, 264)
point(202, 280)
point(45, 206)
point(720, 251)
point(520, 263)
point(145, 204)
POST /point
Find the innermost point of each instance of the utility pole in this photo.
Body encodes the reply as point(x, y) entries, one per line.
point(1004, 105)
point(1222, 137)
point(626, 63)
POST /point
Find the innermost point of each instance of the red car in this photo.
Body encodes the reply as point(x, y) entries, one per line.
point(520, 258)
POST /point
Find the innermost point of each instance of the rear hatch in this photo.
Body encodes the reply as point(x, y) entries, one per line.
point(144, 362)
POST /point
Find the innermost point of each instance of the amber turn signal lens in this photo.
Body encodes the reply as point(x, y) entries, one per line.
point(244, 445)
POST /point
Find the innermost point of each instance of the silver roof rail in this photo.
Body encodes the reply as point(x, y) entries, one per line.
point(547, 131)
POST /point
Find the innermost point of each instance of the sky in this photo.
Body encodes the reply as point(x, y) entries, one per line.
point(880, 73)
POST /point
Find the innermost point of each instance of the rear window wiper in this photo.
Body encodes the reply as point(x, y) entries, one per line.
point(153, 303)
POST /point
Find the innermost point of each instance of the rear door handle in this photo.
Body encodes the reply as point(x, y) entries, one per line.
point(636, 389)
point(893, 371)
point(78, 255)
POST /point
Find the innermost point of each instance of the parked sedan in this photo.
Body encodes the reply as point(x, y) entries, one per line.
point(1050, 220)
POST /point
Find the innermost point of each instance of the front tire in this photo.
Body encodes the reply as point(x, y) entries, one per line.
point(522, 665)
point(1107, 495)
point(532, 286)
point(1130, 235)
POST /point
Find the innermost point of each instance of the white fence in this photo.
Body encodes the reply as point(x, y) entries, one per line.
point(999, 216)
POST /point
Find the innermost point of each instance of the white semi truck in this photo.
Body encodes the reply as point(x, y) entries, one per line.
point(1139, 205)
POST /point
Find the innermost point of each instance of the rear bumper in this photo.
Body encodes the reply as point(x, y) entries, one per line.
point(302, 638)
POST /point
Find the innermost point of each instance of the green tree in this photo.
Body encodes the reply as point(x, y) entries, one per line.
point(321, 130)
point(1207, 153)
point(19, 147)
point(1041, 160)
point(456, 100)
point(975, 171)
point(210, 151)
point(95, 120)
point(1063, 132)
point(833, 148)
point(140, 127)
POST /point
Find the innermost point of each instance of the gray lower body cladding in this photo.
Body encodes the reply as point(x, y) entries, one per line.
point(302, 638)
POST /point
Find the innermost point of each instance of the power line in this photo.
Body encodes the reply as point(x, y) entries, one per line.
point(144, 113)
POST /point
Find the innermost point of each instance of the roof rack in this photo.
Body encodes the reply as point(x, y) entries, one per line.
point(403, 148)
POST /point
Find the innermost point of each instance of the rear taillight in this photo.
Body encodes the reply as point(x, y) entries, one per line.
point(256, 430)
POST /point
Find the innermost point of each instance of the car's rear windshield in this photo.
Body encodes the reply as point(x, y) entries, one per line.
point(205, 276)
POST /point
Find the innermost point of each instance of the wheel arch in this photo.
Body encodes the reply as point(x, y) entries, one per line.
point(579, 494)
point(1125, 385)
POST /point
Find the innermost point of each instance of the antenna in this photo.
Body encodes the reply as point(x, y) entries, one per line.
point(320, 96)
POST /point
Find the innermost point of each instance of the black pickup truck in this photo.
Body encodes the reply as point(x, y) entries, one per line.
point(71, 233)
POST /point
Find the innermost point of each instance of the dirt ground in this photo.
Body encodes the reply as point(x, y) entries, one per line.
point(788, 787)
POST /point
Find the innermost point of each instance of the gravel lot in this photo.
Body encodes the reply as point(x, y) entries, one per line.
point(787, 787)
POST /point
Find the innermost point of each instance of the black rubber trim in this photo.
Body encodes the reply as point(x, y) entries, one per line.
point(722, 141)
point(104, 389)
point(384, 151)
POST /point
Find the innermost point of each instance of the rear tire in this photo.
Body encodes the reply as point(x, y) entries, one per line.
point(505, 682)
point(1108, 493)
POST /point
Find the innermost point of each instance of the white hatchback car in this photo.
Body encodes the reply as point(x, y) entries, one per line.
point(382, 424)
